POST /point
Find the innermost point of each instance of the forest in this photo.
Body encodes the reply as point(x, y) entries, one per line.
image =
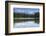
point(22, 15)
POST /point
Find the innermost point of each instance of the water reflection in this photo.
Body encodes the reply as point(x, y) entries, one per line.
point(25, 23)
point(23, 20)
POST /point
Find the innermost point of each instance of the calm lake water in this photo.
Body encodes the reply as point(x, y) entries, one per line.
point(26, 24)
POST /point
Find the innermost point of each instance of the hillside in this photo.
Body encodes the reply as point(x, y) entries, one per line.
point(18, 15)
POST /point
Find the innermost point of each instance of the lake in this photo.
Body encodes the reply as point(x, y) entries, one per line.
point(27, 24)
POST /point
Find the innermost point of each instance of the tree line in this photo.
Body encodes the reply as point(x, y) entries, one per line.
point(19, 15)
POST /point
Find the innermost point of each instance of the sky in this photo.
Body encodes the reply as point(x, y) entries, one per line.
point(26, 10)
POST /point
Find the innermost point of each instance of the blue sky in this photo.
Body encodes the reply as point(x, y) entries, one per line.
point(26, 10)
